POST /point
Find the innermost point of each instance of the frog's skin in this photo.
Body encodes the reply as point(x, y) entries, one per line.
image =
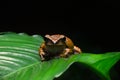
point(57, 46)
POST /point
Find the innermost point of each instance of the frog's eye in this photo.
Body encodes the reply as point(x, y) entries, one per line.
point(61, 41)
point(49, 42)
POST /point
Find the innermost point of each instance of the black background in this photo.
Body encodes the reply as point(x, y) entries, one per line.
point(92, 25)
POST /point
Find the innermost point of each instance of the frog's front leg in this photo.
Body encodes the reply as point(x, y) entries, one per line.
point(66, 52)
point(77, 49)
point(41, 52)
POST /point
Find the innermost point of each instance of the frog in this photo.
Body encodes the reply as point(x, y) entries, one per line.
point(57, 45)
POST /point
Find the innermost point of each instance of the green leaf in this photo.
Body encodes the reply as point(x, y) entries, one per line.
point(20, 60)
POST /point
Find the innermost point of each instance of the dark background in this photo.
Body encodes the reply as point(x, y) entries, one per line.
point(92, 25)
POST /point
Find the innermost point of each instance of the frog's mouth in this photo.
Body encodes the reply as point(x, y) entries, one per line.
point(55, 49)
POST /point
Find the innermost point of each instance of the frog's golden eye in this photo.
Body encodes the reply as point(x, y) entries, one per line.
point(49, 42)
point(64, 39)
point(61, 41)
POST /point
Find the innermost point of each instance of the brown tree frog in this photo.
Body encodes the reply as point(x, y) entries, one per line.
point(57, 45)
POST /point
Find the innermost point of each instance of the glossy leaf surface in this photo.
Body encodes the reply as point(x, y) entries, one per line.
point(20, 60)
